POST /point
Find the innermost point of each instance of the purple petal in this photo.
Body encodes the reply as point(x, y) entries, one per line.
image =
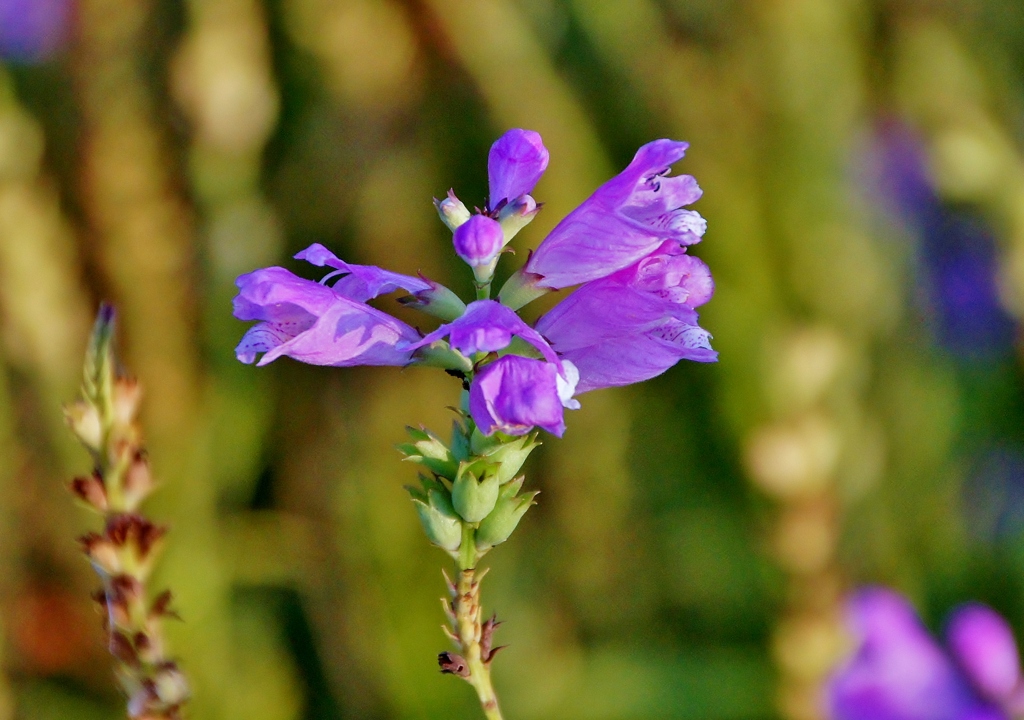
point(982, 643)
point(514, 394)
point(514, 165)
point(897, 671)
point(487, 326)
point(625, 219)
point(314, 324)
point(361, 282)
point(478, 240)
point(33, 30)
point(634, 324)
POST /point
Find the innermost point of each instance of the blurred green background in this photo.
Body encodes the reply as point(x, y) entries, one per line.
point(863, 169)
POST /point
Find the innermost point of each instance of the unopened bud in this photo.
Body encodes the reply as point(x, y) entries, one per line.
point(508, 457)
point(127, 394)
point(517, 214)
point(452, 211)
point(478, 241)
point(474, 499)
point(440, 523)
point(170, 686)
point(138, 482)
point(499, 525)
point(84, 420)
point(90, 490)
point(428, 450)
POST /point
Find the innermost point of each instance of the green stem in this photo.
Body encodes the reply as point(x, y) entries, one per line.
point(483, 290)
point(467, 616)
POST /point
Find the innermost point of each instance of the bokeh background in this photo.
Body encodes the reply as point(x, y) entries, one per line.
point(863, 168)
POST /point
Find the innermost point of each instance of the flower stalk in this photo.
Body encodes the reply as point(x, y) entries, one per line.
point(123, 554)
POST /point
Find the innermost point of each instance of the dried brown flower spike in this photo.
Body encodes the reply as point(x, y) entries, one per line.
point(104, 420)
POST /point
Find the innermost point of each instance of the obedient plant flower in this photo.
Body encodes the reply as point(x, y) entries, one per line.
point(636, 323)
point(625, 220)
point(633, 317)
point(899, 672)
point(323, 325)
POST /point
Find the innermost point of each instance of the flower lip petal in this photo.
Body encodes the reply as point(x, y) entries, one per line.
point(514, 394)
point(487, 326)
point(515, 163)
point(625, 219)
point(361, 282)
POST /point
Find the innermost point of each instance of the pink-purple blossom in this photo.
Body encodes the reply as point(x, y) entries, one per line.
point(632, 317)
point(318, 324)
point(897, 671)
point(514, 394)
point(636, 323)
point(625, 220)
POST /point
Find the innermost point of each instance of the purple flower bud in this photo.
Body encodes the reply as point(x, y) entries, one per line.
point(478, 241)
point(625, 220)
point(636, 323)
point(982, 643)
point(514, 394)
point(314, 323)
point(517, 214)
point(515, 164)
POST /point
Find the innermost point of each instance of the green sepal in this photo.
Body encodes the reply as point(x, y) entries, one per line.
point(502, 521)
point(460, 443)
point(507, 457)
point(474, 499)
point(428, 450)
point(440, 522)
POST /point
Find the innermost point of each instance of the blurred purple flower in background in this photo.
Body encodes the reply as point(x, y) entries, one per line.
point(33, 30)
point(897, 671)
point(957, 252)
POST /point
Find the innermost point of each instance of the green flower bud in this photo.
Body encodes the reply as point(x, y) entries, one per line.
point(474, 499)
point(507, 457)
point(452, 211)
point(441, 524)
point(428, 450)
point(498, 526)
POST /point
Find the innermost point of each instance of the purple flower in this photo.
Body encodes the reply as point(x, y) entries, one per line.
point(33, 30)
point(899, 672)
point(514, 165)
point(983, 643)
point(636, 323)
point(478, 241)
point(487, 326)
point(625, 220)
point(514, 394)
point(323, 325)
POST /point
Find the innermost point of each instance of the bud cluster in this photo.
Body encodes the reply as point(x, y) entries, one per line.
point(104, 420)
point(470, 501)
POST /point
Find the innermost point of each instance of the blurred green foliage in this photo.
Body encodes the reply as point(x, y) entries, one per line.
point(695, 534)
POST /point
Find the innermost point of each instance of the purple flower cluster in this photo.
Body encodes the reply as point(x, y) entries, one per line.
point(632, 317)
point(899, 672)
